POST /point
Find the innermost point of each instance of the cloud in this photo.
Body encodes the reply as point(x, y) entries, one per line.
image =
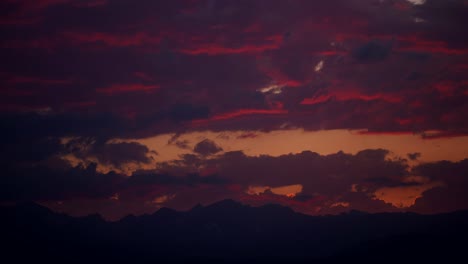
point(104, 70)
point(207, 147)
point(24, 150)
point(35, 80)
point(404, 196)
point(417, 2)
point(414, 156)
point(308, 182)
point(448, 197)
point(56, 125)
point(372, 51)
point(350, 95)
point(319, 66)
point(185, 112)
point(137, 39)
point(239, 113)
point(125, 88)
point(329, 176)
point(216, 49)
point(329, 173)
point(235, 60)
point(441, 200)
point(122, 157)
point(41, 183)
point(288, 191)
point(118, 153)
point(92, 3)
point(367, 180)
point(247, 135)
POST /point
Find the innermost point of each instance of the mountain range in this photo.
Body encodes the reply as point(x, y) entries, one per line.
point(231, 232)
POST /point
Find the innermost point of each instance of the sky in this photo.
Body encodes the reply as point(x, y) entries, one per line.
point(121, 107)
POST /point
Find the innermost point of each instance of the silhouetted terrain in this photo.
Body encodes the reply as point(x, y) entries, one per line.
point(228, 231)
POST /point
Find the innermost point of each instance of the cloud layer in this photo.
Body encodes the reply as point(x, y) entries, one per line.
point(83, 80)
point(383, 64)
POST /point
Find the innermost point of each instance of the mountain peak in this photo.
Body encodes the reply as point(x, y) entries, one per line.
point(226, 203)
point(276, 208)
point(357, 212)
point(165, 212)
point(198, 206)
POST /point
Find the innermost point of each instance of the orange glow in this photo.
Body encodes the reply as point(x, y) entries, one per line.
point(404, 196)
point(323, 142)
point(289, 191)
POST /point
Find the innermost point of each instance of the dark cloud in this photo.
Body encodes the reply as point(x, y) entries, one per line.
point(145, 178)
point(442, 200)
point(451, 195)
point(444, 170)
point(331, 183)
point(327, 175)
point(41, 183)
point(155, 71)
point(373, 51)
point(446, 18)
point(14, 150)
point(118, 153)
point(207, 147)
point(184, 144)
point(326, 179)
point(414, 156)
point(184, 112)
point(50, 124)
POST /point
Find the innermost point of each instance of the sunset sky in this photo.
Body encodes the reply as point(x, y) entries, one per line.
point(122, 107)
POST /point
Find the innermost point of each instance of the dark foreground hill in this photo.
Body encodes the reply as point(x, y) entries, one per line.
point(228, 231)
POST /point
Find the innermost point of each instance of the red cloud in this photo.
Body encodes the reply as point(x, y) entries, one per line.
point(409, 121)
point(445, 89)
point(41, 4)
point(243, 112)
point(18, 20)
point(26, 79)
point(351, 95)
point(316, 100)
point(28, 11)
point(240, 112)
point(417, 44)
point(92, 3)
point(38, 4)
point(124, 88)
point(331, 53)
point(277, 75)
point(137, 39)
point(8, 91)
point(274, 42)
point(143, 76)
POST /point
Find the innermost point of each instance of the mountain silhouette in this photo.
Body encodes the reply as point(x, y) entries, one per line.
point(228, 231)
